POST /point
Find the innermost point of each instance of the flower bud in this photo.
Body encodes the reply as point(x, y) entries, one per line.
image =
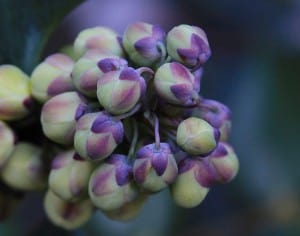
point(144, 43)
point(128, 211)
point(196, 136)
point(25, 168)
point(224, 162)
point(65, 214)
point(15, 100)
point(218, 115)
point(188, 45)
point(155, 167)
point(86, 72)
point(59, 115)
point(97, 135)
point(111, 184)
point(7, 142)
point(192, 183)
point(52, 77)
point(119, 91)
point(176, 84)
point(102, 38)
point(68, 177)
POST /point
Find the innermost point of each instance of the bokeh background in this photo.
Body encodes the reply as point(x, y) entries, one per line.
point(254, 69)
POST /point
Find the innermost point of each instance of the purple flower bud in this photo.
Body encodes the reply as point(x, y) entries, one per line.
point(97, 135)
point(59, 115)
point(176, 84)
point(52, 77)
point(196, 136)
point(155, 167)
point(129, 210)
point(25, 169)
point(65, 214)
point(86, 71)
point(68, 177)
point(144, 43)
point(119, 91)
point(101, 38)
point(111, 184)
point(192, 183)
point(188, 45)
point(218, 115)
point(7, 142)
point(224, 162)
point(15, 97)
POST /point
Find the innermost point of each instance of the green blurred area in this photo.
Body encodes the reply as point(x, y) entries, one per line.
point(254, 69)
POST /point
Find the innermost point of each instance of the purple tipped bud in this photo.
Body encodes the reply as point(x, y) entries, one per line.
point(25, 169)
point(65, 214)
point(176, 84)
point(111, 184)
point(101, 38)
point(144, 43)
point(119, 91)
point(7, 142)
point(155, 167)
point(97, 135)
point(68, 177)
point(128, 211)
point(196, 136)
point(112, 64)
point(188, 45)
point(52, 77)
point(14, 93)
point(224, 163)
point(86, 72)
point(217, 114)
point(191, 185)
point(59, 115)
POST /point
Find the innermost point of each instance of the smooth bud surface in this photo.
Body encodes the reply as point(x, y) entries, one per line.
point(52, 77)
point(25, 168)
point(97, 135)
point(7, 142)
point(101, 38)
point(144, 43)
point(196, 136)
point(189, 45)
point(119, 91)
point(59, 115)
point(65, 214)
point(175, 84)
point(15, 100)
point(111, 184)
point(69, 177)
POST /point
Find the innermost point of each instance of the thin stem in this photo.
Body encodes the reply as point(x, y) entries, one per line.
point(156, 131)
point(134, 140)
point(142, 70)
point(135, 109)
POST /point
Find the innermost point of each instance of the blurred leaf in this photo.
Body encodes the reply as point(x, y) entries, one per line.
point(26, 26)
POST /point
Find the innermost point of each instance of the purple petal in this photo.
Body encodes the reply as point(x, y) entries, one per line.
point(99, 123)
point(141, 168)
point(147, 47)
point(80, 111)
point(158, 32)
point(180, 71)
point(159, 162)
point(111, 64)
point(98, 147)
point(182, 91)
point(220, 151)
point(60, 85)
point(129, 74)
point(186, 164)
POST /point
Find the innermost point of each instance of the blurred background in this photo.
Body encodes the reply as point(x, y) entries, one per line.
point(255, 70)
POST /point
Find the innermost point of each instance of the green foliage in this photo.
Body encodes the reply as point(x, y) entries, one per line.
point(26, 26)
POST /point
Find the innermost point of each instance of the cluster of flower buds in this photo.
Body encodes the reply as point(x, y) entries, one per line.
point(121, 119)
